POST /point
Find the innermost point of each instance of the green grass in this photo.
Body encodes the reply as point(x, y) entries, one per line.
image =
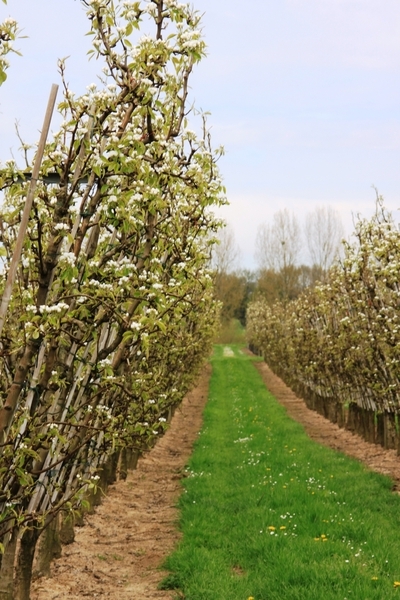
point(261, 497)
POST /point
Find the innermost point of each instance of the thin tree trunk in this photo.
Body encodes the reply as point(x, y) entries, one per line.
point(24, 563)
point(7, 568)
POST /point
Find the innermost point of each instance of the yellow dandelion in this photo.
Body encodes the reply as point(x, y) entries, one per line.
point(271, 528)
point(396, 584)
point(374, 578)
point(317, 539)
point(323, 535)
point(282, 527)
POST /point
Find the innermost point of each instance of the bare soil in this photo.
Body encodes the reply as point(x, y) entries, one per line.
point(118, 553)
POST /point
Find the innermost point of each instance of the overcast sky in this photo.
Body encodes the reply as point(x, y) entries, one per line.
point(304, 95)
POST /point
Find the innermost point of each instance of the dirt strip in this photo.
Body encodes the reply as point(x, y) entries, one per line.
point(117, 554)
point(323, 431)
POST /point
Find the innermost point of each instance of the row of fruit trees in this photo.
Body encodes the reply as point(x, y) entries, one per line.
point(112, 311)
point(339, 343)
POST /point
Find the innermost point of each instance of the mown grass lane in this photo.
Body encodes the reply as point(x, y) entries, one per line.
point(268, 514)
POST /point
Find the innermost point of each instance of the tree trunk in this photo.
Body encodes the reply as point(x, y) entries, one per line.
point(380, 430)
point(331, 409)
point(352, 418)
point(341, 417)
point(371, 426)
point(24, 564)
point(66, 529)
point(133, 457)
point(123, 464)
point(7, 569)
point(47, 548)
point(390, 431)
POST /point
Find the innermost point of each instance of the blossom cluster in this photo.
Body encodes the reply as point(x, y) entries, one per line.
point(8, 34)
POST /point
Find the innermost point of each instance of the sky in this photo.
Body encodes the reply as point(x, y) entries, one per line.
point(303, 94)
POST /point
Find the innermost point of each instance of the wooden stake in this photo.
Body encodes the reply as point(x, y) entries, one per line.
point(27, 209)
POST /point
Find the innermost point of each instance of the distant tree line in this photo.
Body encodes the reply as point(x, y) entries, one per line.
point(289, 259)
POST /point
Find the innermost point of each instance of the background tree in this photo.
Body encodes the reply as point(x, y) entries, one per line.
point(324, 232)
point(229, 285)
point(248, 281)
point(282, 275)
point(278, 247)
point(226, 252)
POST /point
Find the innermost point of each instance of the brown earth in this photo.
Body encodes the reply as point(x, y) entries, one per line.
point(118, 553)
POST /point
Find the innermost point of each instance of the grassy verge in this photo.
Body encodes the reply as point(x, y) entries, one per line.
point(268, 514)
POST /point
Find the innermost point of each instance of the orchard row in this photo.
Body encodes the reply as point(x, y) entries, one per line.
point(112, 313)
point(339, 342)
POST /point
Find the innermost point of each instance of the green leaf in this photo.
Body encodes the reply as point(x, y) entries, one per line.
point(162, 327)
point(23, 477)
point(128, 335)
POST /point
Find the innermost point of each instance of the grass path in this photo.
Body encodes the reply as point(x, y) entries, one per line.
point(268, 514)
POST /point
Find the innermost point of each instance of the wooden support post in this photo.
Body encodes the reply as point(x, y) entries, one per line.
point(27, 209)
